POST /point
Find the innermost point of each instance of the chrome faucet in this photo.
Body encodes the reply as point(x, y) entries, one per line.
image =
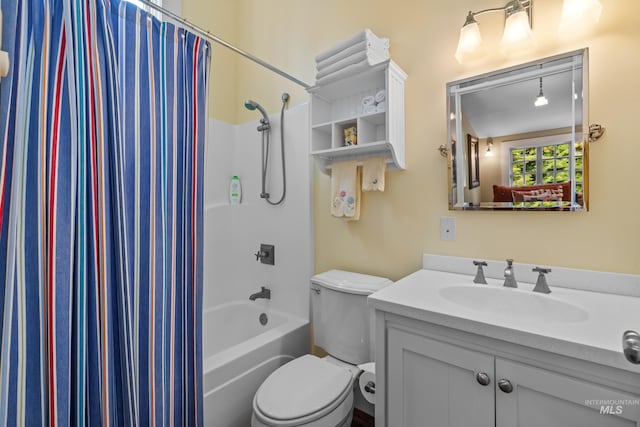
point(509, 275)
point(541, 284)
point(480, 273)
point(264, 293)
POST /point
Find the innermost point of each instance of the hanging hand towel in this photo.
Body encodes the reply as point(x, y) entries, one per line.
point(345, 190)
point(373, 171)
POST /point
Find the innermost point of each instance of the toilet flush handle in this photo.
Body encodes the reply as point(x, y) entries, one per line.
point(370, 387)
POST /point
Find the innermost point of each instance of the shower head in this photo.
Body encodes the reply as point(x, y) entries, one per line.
point(252, 105)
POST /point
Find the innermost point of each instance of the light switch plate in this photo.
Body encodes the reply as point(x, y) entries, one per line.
point(447, 228)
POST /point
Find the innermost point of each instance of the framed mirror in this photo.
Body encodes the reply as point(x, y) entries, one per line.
point(516, 138)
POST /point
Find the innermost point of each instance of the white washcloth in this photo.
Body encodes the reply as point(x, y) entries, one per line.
point(373, 171)
point(368, 100)
point(381, 95)
point(381, 107)
point(345, 190)
point(348, 71)
point(369, 109)
point(371, 57)
point(379, 46)
point(364, 35)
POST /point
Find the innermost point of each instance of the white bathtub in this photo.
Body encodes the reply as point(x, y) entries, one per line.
point(239, 353)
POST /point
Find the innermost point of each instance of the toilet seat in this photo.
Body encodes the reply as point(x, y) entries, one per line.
point(305, 390)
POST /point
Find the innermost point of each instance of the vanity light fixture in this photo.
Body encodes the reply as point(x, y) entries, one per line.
point(489, 153)
point(579, 14)
point(516, 35)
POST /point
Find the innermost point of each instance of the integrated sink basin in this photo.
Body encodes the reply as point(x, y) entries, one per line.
point(514, 303)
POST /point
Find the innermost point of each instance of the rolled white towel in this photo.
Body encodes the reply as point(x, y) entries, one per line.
point(369, 109)
point(368, 100)
point(381, 106)
point(381, 96)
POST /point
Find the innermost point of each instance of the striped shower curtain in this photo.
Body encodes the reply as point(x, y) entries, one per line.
point(102, 126)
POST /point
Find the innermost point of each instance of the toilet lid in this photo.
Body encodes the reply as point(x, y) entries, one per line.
point(301, 387)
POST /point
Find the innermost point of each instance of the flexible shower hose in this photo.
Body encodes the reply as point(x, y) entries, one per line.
point(265, 159)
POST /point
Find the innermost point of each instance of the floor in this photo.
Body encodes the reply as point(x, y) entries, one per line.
point(362, 419)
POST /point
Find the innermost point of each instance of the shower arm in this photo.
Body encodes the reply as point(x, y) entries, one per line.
point(207, 35)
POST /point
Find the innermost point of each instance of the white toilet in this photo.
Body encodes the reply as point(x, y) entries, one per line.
point(318, 392)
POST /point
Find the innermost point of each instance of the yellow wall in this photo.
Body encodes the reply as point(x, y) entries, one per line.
point(221, 18)
point(397, 226)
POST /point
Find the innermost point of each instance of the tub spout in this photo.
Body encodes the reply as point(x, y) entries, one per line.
point(264, 293)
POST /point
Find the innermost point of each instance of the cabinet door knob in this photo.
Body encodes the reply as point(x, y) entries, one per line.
point(631, 346)
point(505, 385)
point(483, 379)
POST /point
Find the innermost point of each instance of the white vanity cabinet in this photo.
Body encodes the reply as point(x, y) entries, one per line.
point(545, 398)
point(430, 376)
point(431, 383)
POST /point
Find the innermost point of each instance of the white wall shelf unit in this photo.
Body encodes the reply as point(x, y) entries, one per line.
point(337, 105)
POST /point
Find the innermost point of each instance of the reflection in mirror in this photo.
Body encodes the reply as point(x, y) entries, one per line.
point(516, 137)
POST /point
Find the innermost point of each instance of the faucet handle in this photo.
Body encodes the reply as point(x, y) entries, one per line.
point(480, 273)
point(541, 283)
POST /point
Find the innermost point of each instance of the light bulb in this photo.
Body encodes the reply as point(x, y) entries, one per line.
point(489, 153)
point(541, 100)
point(517, 36)
point(577, 15)
point(470, 43)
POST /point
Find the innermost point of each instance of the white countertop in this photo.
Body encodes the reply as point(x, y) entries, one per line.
point(598, 338)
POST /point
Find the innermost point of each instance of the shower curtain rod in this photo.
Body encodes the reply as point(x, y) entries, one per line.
point(206, 34)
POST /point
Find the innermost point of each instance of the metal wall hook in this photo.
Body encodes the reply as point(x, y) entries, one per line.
point(444, 151)
point(595, 132)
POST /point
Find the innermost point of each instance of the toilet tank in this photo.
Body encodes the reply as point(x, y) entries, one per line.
point(342, 321)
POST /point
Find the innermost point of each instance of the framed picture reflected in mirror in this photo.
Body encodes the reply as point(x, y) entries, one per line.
point(473, 159)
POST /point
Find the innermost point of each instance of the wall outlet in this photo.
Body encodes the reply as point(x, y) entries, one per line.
point(447, 228)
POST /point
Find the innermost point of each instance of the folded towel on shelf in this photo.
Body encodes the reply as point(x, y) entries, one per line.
point(381, 107)
point(371, 57)
point(345, 190)
point(364, 35)
point(373, 171)
point(381, 95)
point(348, 71)
point(378, 46)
